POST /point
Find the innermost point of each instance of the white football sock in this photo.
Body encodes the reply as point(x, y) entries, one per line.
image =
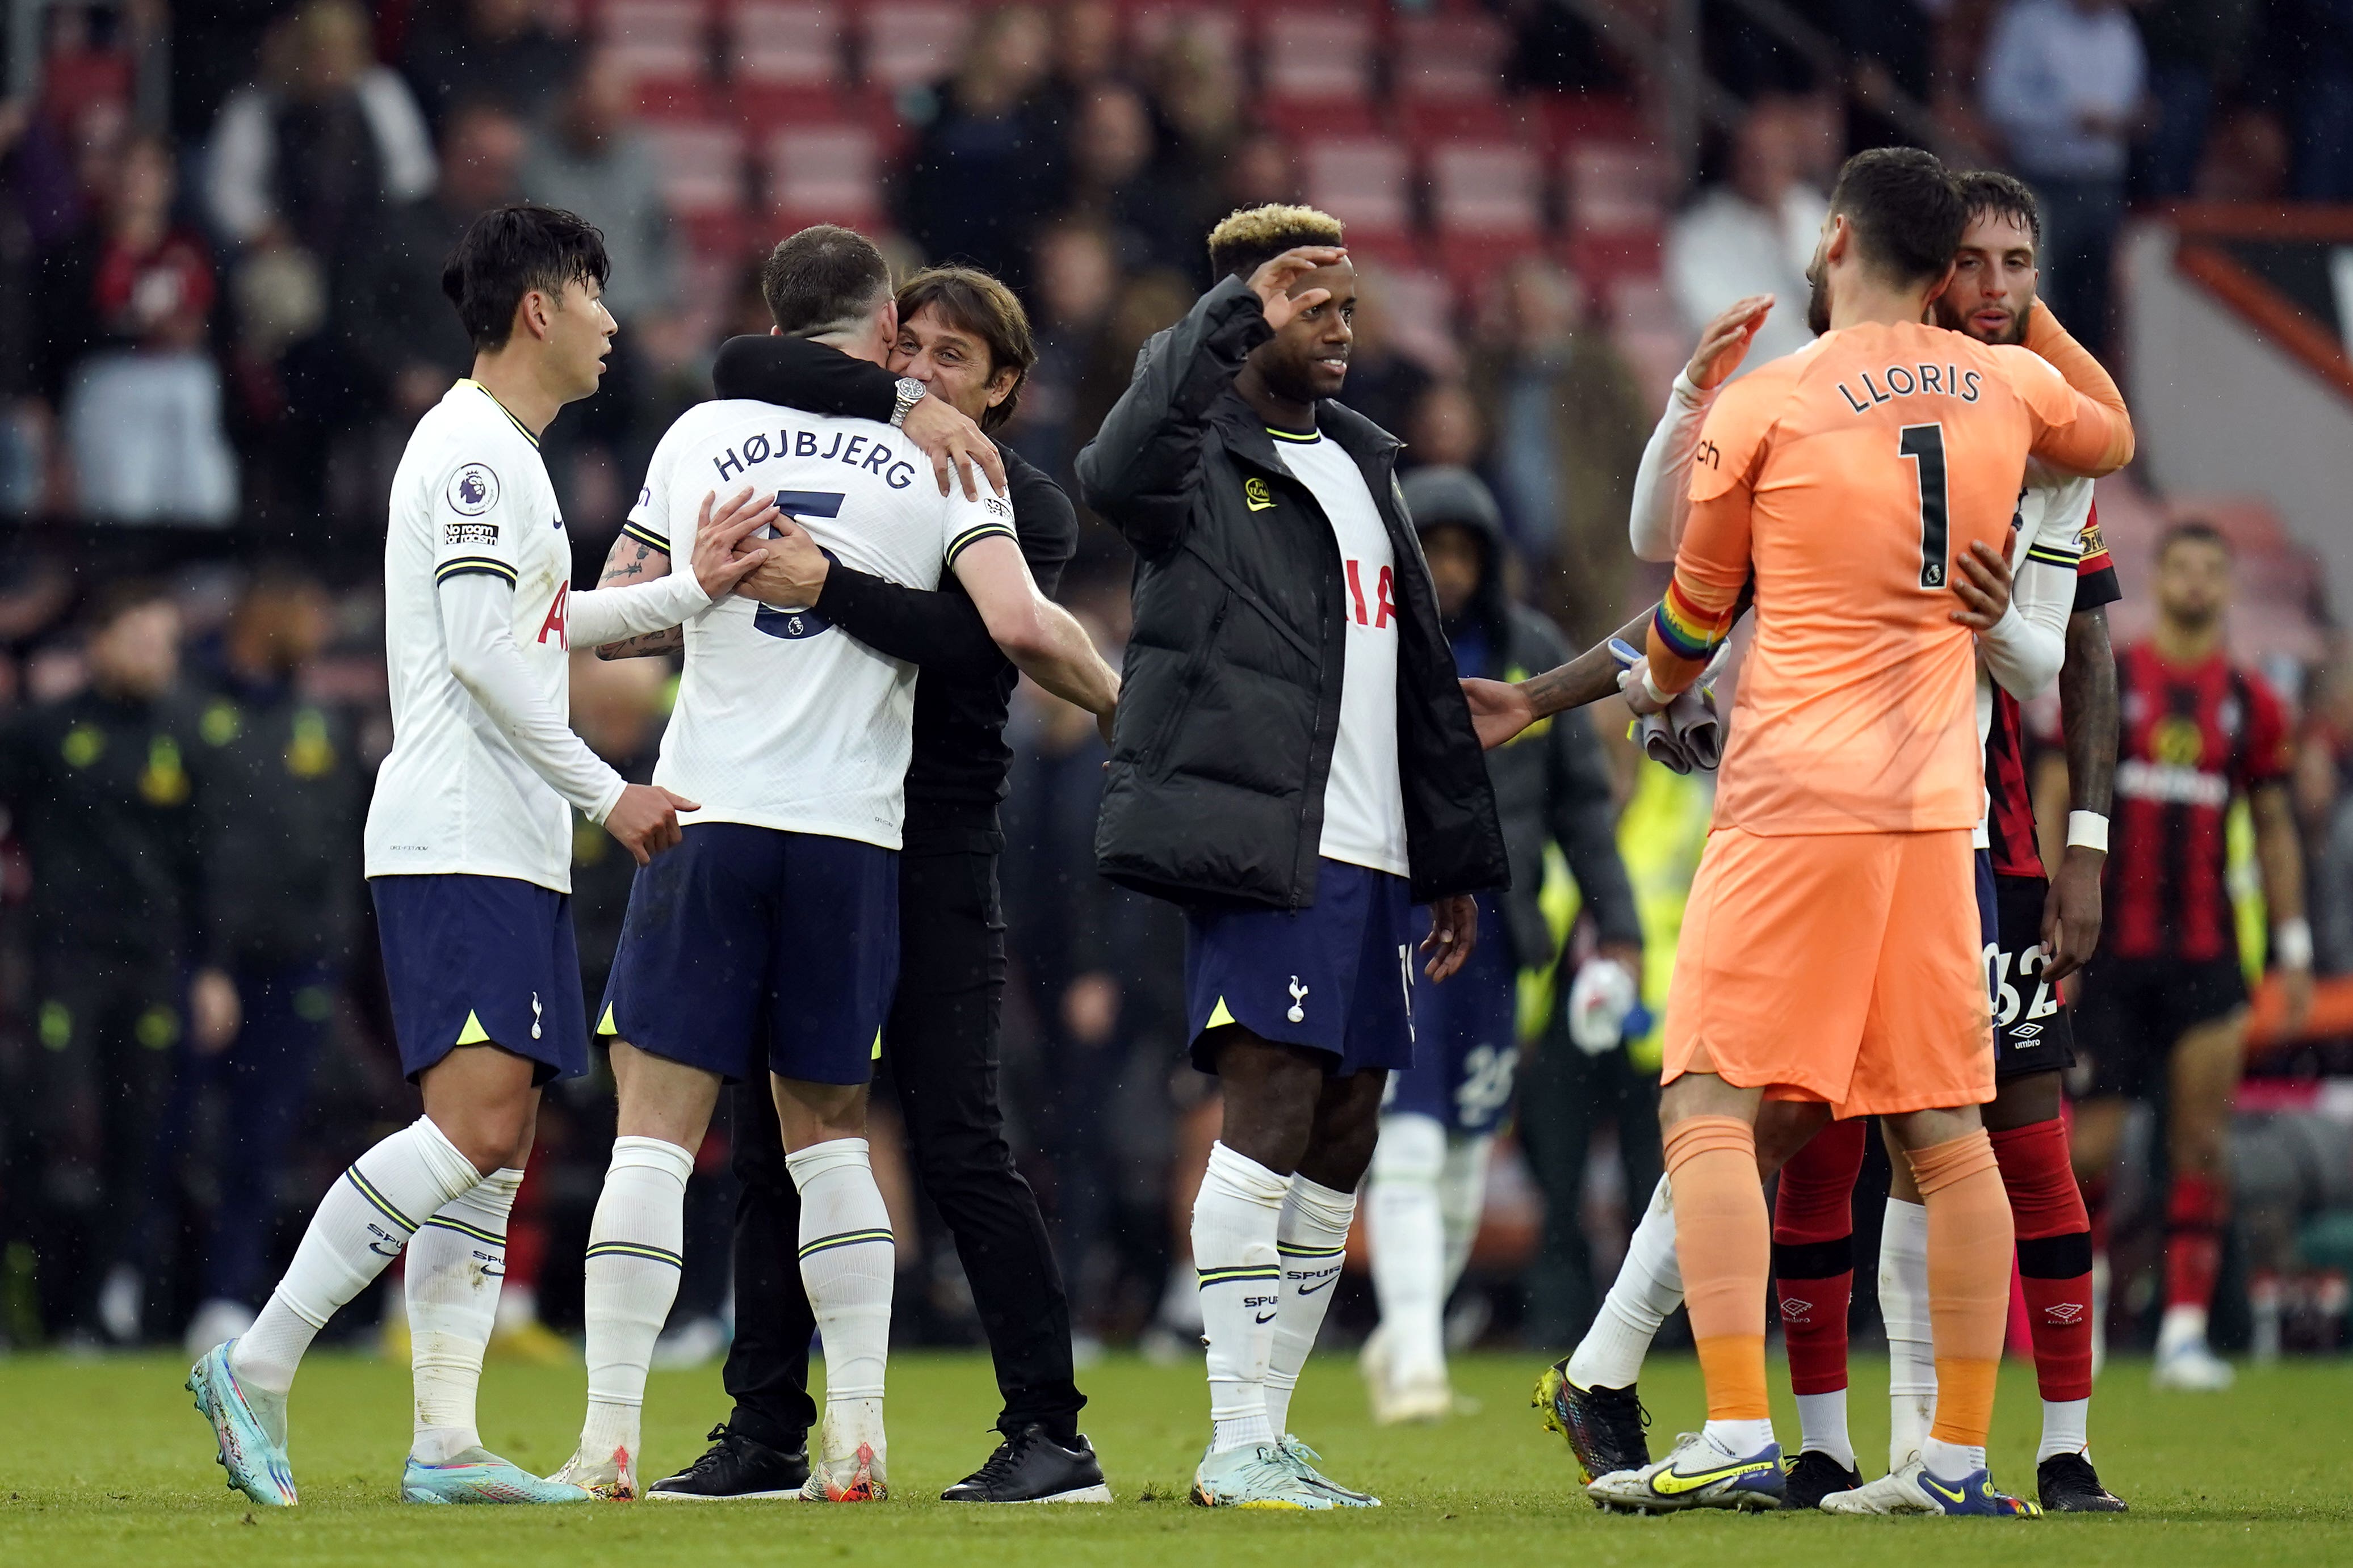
point(1310, 1243)
point(1911, 1343)
point(1236, 1216)
point(1463, 1198)
point(1952, 1461)
point(1738, 1439)
point(454, 1268)
point(629, 1281)
point(2182, 1327)
point(1821, 1424)
point(848, 1257)
point(1407, 1217)
point(2066, 1428)
point(1650, 1285)
point(361, 1225)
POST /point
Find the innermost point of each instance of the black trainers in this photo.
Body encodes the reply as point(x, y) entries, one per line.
point(1813, 1475)
point(1031, 1466)
point(1604, 1425)
point(735, 1469)
point(2068, 1484)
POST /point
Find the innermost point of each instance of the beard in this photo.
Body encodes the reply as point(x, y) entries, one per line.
point(1817, 298)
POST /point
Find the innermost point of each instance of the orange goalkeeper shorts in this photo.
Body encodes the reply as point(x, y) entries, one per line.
point(1839, 967)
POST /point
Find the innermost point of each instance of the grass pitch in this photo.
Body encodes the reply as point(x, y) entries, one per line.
point(113, 1468)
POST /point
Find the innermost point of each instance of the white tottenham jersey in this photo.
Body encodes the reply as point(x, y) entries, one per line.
point(1364, 800)
point(2044, 557)
point(783, 722)
point(470, 496)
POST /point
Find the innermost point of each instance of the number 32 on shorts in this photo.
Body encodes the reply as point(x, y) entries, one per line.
point(2007, 1000)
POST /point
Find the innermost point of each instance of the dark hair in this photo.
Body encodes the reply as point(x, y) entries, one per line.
point(822, 278)
point(510, 251)
point(2191, 531)
point(2004, 196)
point(973, 301)
point(1250, 237)
point(1907, 214)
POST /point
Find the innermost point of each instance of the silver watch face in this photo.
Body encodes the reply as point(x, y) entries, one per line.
point(911, 391)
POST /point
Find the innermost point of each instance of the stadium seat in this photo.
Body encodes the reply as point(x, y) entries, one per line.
point(1494, 117)
point(1616, 197)
point(824, 173)
point(665, 45)
point(703, 180)
point(911, 43)
point(1362, 182)
point(1316, 55)
point(1320, 120)
point(1563, 119)
point(1449, 58)
point(784, 44)
point(1491, 189)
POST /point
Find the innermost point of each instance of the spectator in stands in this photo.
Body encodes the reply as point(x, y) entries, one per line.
point(123, 310)
point(1206, 155)
point(986, 169)
point(1753, 235)
point(1112, 154)
point(1075, 278)
point(2322, 93)
point(1567, 427)
point(1385, 385)
point(286, 788)
point(103, 790)
point(2194, 47)
point(1086, 54)
point(401, 342)
point(1444, 429)
point(591, 159)
point(2063, 82)
point(314, 151)
point(461, 50)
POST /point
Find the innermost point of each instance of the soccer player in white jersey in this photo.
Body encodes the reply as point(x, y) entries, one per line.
point(469, 857)
point(770, 942)
point(2056, 615)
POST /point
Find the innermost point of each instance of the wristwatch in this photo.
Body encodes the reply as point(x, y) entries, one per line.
point(911, 391)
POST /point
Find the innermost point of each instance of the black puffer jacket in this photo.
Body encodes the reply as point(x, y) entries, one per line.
point(1232, 697)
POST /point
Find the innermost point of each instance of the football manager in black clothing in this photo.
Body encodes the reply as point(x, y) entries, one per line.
point(965, 346)
point(1293, 762)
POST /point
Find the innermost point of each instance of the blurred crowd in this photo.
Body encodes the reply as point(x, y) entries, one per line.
point(222, 227)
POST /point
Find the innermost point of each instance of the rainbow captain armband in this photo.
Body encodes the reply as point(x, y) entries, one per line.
point(1688, 631)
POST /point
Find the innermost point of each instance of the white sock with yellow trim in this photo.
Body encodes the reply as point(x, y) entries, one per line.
point(1311, 1240)
point(454, 1268)
point(632, 1279)
point(1235, 1219)
point(362, 1225)
point(848, 1257)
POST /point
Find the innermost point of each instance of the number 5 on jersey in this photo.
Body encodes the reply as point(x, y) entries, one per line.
point(794, 625)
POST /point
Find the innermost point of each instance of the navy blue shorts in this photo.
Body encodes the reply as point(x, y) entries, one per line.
point(1466, 1046)
point(743, 937)
point(482, 960)
point(1335, 977)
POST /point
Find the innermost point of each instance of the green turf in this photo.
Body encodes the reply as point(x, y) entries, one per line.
point(113, 1468)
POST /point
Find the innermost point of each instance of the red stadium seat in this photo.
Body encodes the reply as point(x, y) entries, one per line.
point(1316, 55)
point(1614, 189)
point(911, 43)
point(660, 41)
point(702, 179)
point(1150, 28)
point(1362, 183)
point(824, 173)
point(1489, 190)
point(1320, 120)
point(1563, 119)
point(1449, 58)
point(1490, 118)
point(784, 44)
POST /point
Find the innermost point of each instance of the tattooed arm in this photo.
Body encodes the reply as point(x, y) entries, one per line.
point(630, 561)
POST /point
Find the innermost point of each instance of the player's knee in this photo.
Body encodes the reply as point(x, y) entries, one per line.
point(1410, 1149)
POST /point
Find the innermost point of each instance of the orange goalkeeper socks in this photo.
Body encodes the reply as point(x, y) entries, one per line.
point(1970, 1238)
point(1724, 1241)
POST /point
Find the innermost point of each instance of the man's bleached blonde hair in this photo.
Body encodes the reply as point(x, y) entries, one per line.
point(1247, 239)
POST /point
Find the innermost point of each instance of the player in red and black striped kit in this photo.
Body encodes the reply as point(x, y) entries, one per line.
point(2165, 1001)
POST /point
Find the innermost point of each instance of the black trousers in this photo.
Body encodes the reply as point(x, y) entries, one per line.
point(940, 1043)
point(1566, 1097)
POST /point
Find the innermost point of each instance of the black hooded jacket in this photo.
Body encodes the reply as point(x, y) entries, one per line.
point(1552, 783)
point(1230, 701)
